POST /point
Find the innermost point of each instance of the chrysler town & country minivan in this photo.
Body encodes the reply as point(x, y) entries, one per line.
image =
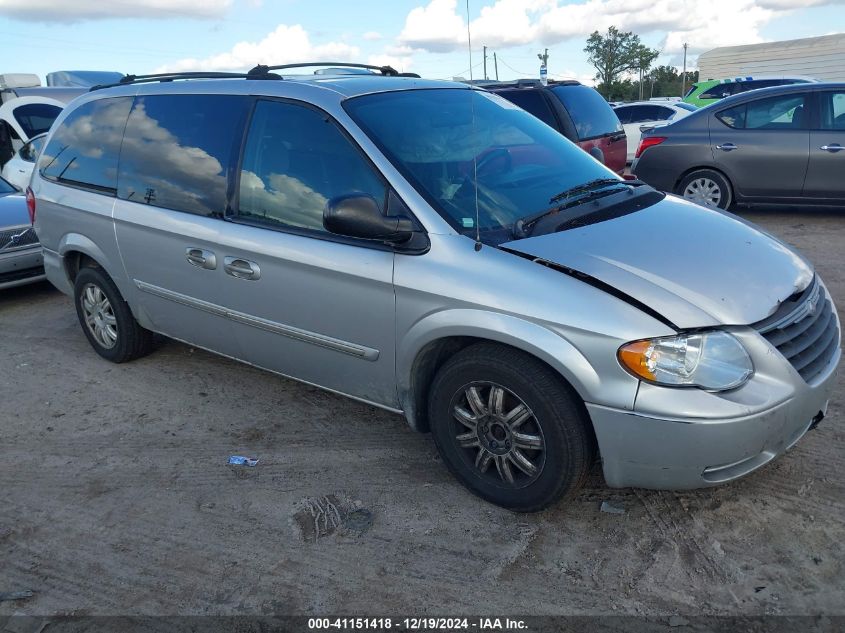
point(430, 248)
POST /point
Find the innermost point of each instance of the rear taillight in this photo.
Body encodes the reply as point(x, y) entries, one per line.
point(30, 204)
point(648, 141)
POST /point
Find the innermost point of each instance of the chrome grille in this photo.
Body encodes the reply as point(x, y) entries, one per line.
point(807, 335)
point(15, 238)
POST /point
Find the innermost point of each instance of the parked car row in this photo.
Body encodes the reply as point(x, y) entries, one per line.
point(432, 249)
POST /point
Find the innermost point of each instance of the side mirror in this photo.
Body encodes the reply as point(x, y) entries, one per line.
point(358, 215)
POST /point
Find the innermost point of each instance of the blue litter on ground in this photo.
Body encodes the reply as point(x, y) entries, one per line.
point(237, 460)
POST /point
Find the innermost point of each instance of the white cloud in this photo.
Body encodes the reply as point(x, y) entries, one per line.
point(285, 45)
point(435, 27)
point(73, 10)
point(372, 36)
point(440, 26)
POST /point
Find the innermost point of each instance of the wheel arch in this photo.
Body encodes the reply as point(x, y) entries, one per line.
point(77, 251)
point(431, 342)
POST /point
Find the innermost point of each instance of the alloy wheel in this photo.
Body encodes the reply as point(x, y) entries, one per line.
point(499, 434)
point(99, 315)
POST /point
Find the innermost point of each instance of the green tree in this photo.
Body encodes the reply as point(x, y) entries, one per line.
point(617, 52)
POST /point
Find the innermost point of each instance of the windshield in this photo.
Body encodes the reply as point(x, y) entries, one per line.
point(432, 137)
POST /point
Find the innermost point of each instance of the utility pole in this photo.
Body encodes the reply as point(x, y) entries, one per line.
point(496, 66)
point(544, 57)
point(544, 66)
point(485, 62)
point(684, 75)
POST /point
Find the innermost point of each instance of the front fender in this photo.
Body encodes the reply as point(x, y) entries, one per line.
point(532, 338)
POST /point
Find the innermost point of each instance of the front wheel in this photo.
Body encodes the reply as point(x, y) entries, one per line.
point(708, 188)
point(106, 319)
point(509, 428)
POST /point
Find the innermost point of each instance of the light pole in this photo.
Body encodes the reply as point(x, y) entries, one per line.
point(684, 75)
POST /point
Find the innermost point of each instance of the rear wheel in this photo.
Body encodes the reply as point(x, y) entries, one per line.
point(708, 188)
point(509, 428)
point(106, 319)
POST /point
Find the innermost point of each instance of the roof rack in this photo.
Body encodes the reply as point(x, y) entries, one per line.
point(161, 77)
point(259, 72)
point(387, 71)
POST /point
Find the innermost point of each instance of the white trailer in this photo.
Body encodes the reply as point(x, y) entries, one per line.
point(821, 57)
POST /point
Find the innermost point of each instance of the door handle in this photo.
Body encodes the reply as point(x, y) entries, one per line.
point(727, 147)
point(201, 258)
point(833, 148)
point(241, 268)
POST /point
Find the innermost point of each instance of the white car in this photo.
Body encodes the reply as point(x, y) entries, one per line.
point(19, 168)
point(633, 115)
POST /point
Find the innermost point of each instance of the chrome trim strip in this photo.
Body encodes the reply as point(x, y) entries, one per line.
point(334, 344)
point(288, 376)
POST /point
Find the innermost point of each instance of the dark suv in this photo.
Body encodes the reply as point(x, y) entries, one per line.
point(577, 111)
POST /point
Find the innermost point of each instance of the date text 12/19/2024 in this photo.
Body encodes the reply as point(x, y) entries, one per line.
point(417, 624)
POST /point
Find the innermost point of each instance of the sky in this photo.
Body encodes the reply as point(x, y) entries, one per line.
point(428, 37)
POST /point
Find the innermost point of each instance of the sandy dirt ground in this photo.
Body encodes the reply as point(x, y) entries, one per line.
point(116, 498)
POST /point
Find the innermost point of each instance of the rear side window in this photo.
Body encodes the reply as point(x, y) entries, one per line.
point(36, 118)
point(531, 101)
point(784, 112)
point(590, 113)
point(625, 113)
point(178, 151)
point(832, 110)
point(295, 160)
point(83, 151)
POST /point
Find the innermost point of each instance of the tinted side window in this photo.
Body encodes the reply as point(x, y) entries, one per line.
point(36, 118)
point(760, 83)
point(83, 151)
point(720, 91)
point(832, 110)
point(590, 113)
point(624, 113)
point(774, 113)
point(532, 101)
point(178, 151)
point(664, 113)
point(295, 160)
point(648, 113)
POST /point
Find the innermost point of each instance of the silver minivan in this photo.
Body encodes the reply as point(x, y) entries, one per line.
point(431, 249)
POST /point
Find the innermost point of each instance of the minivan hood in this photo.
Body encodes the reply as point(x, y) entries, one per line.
point(694, 266)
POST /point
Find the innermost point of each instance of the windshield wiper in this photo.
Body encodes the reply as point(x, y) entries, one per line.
point(594, 189)
point(589, 186)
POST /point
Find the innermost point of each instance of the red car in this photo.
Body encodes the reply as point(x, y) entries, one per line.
point(577, 111)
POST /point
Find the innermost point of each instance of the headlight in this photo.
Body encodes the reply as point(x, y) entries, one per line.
point(709, 360)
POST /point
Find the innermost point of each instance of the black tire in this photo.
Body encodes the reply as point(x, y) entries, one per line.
point(724, 189)
point(557, 419)
point(131, 341)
